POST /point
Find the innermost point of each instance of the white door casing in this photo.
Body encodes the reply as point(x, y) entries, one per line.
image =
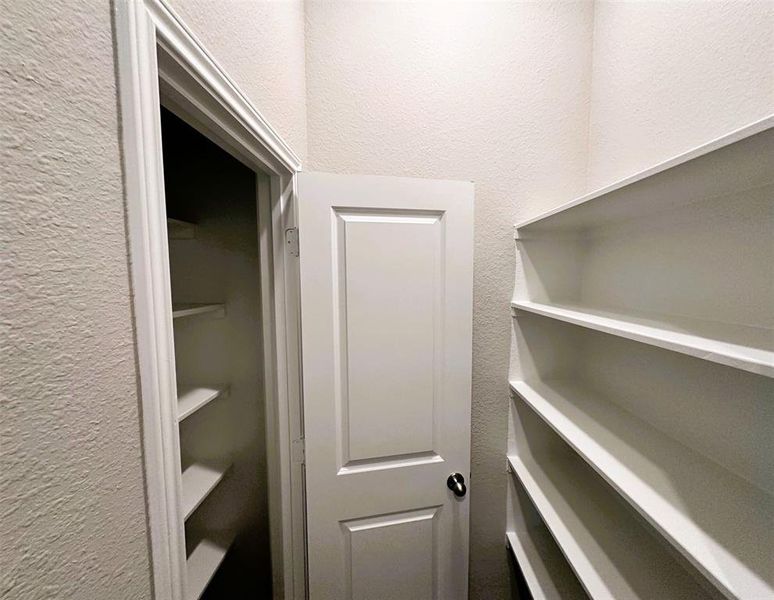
point(159, 60)
point(386, 299)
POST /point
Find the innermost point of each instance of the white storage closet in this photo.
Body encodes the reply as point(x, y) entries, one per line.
point(215, 274)
point(641, 429)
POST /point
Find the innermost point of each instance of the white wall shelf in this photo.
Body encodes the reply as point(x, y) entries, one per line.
point(191, 398)
point(544, 567)
point(203, 563)
point(747, 348)
point(199, 479)
point(641, 419)
point(613, 555)
point(189, 310)
point(180, 230)
point(735, 162)
point(720, 522)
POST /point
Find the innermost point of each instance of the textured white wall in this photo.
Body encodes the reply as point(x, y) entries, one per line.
point(72, 495)
point(668, 76)
point(71, 487)
point(492, 92)
point(260, 44)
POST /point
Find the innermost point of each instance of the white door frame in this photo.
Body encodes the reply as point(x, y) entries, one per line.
point(161, 61)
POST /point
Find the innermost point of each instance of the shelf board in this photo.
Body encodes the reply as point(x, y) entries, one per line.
point(203, 563)
point(190, 310)
point(738, 161)
point(739, 346)
point(199, 480)
point(180, 230)
point(544, 567)
point(721, 523)
point(191, 398)
point(611, 552)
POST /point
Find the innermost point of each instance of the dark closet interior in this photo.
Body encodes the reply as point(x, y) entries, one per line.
point(215, 281)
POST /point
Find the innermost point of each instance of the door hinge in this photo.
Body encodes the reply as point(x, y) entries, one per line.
point(291, 240)
point(299, 451)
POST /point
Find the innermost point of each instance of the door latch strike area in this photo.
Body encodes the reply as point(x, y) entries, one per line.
point(291, 239)
point(299, 451)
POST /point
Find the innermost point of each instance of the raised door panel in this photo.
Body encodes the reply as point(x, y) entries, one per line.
point(392, 557)
point(389, 285)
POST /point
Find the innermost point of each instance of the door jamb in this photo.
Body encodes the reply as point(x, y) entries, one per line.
point(159, 60)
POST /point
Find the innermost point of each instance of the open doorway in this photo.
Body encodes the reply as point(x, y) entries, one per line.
point(214, 262)
point(216, 304)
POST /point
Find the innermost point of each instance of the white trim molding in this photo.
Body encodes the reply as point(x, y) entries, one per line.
point(160, 61)
point(175, 37)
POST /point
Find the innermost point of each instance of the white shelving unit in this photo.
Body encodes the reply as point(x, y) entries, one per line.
point(642, 421)
point(538, 557)
point(203, 563)
point(202, 476)
point(199, 479)
point(669, 484)
point(536, 553)
point(191, 398)
point(205, 365)
point(597, 535)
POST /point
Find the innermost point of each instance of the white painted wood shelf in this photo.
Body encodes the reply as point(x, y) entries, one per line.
point(189, 310)
point(180, 230)
point(738, 161)
point(611, 552)
point(651, 471)
point(545, 569)
point(199, 479)
point(203, 563)
point(742, 347)
point(213, 266)
point(721, 523)
point(191, 398)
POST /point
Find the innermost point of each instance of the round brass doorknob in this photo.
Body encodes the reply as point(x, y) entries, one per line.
point(456, 483)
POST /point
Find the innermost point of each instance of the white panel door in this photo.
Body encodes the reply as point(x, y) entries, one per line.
point(386, 300)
